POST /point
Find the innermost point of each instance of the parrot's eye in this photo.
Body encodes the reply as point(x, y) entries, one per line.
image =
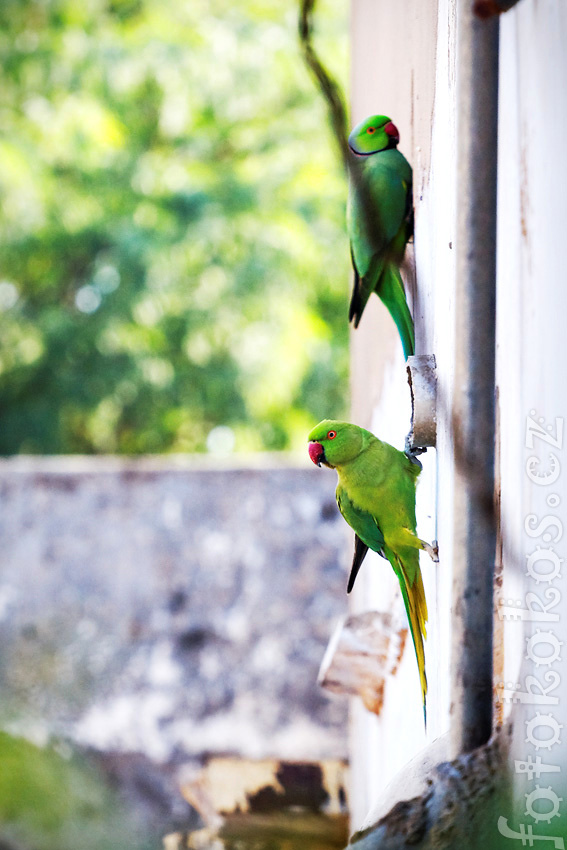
point(331, 435)
point(371, 130)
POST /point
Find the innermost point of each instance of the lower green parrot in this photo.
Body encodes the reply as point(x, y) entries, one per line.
point(376, 496)
point(380, 221)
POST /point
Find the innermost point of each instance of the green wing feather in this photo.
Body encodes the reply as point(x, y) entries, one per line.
point(363, 523)
point(363, 287)
point(368, 531)
point(380, 223)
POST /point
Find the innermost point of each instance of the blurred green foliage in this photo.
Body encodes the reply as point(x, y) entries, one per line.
point(50, 799)
point(173, 256)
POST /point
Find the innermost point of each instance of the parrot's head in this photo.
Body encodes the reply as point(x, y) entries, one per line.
point(374, 134)
point(333, 443)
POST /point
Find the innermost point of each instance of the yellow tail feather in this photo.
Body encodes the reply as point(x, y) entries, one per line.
point(416, 608)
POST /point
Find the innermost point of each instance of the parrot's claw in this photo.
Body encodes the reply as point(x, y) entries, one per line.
point(433, 551)
point(413, 451)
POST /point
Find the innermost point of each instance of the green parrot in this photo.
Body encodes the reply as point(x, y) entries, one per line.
point(380, 221)
point(376, 496)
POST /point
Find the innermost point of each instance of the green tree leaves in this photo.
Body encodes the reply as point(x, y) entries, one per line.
point(173, 252)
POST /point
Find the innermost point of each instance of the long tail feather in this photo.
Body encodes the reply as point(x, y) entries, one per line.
point(416, 609)
point(393, 295)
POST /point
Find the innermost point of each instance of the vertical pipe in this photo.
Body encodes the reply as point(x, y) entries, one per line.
point(474, 388)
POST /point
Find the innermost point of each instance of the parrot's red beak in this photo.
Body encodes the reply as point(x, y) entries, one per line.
point(392, 131)
point(317, 453)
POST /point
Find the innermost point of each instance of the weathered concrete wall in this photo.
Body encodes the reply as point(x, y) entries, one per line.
point(531, 670)
point(531, 392)
point(170, 609)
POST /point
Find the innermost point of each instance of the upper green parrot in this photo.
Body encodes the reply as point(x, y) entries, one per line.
point(376, 496)
point(380, 221)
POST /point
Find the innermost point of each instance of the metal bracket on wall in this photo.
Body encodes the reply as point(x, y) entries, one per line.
point(422, 379)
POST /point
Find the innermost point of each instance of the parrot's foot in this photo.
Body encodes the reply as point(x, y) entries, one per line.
point(412, 453)
point(433, 551)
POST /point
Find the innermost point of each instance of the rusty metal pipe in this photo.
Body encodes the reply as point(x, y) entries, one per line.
point(474, 386)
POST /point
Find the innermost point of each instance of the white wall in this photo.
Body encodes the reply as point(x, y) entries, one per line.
point(402, 60)
point(531, 363)
point(397, 55)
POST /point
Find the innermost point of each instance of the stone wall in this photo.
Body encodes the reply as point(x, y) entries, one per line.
point(171, 609)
